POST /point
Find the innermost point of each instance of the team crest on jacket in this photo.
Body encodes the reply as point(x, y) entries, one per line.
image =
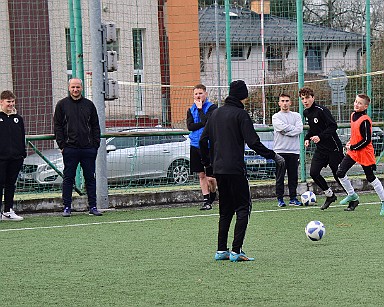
point(16, 120)
point(315, 120)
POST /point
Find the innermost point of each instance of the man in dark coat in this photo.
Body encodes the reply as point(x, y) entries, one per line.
point(226, 132)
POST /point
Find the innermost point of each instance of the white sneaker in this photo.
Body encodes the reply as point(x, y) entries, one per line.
point(11, 216)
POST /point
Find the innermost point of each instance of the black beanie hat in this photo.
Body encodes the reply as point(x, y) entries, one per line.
point(238, 89)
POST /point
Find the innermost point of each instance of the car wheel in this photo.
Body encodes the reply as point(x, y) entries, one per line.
point(178, 172)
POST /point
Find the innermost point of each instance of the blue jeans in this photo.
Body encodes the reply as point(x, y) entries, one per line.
point(87, 159)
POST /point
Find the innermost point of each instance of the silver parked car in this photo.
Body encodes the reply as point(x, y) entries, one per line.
point(137, 157)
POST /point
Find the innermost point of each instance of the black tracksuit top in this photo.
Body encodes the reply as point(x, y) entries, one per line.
point(76, 124)
point(227, 130)
point(322, 124)
point(12, 136)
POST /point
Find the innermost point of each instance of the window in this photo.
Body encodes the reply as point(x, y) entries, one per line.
point(314, 58)
point(123, 142)
point(138, 66)
point(138, 92)
point(176, 138)
point(137, 35)
point(202, 64)
point(274, 57)
point(68, 50)
point(237, 53)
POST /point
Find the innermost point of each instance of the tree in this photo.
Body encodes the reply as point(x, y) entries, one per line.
point(282, 8)
point(346, 15)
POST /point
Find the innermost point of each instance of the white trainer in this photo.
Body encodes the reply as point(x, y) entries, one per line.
point(11, 216)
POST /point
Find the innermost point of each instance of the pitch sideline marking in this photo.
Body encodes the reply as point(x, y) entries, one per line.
point(163, 218)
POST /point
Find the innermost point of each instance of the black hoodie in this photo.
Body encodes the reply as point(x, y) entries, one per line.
point(227, 131)
point(12, 136)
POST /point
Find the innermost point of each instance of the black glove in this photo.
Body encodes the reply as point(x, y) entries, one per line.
point(279, 160)
point(208, 171)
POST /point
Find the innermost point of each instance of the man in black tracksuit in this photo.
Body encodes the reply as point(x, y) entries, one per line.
point(77, 133)
point(329, 149)
point(12, 153)
point(227, 131)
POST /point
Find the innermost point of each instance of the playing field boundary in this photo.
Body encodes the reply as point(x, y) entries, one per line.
point(169, 218)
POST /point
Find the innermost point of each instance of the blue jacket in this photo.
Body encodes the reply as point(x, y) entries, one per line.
point(196, 120)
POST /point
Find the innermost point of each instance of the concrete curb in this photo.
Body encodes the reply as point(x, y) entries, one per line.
point(171, 198)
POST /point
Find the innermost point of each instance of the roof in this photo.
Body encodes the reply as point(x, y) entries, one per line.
point(245, 28)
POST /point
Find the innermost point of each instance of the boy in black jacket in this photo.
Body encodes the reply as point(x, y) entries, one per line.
point(227, 131)
point(12, 153)
point(329, 150)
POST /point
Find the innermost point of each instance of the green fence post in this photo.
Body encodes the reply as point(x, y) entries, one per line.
point(300, 75)
point(228, 41)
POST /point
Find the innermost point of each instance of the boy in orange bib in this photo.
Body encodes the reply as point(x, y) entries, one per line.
point(360, 150)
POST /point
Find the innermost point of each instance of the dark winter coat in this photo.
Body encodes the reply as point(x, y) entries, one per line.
point(227, 130)
point(76, 124)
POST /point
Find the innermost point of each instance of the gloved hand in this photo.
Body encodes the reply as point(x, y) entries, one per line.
point(208, 171)
point(279, 160)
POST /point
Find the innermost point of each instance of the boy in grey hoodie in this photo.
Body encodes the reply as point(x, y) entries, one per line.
point(287, 127)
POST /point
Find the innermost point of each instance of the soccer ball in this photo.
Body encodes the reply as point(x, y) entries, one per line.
point(308, 198)
point(315, 230)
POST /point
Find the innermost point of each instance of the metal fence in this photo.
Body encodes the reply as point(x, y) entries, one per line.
point(163, 48)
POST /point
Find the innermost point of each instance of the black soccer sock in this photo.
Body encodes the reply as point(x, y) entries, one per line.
point(206, 197)
point(212, 196)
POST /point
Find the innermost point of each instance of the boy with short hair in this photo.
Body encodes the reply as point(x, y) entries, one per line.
point(287, 126)
point(197, 117)
point(360, 150)
point(12, 153)
point(329, 150)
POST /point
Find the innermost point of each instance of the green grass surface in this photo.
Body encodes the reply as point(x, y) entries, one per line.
point(165, 257)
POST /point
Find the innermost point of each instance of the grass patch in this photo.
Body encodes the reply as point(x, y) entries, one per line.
point(165, 257)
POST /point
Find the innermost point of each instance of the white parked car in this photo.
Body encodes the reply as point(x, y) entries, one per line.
point(143, 156)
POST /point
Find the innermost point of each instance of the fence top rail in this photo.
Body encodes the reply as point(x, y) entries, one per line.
point(39, 137)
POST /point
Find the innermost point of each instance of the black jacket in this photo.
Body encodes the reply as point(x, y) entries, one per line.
point(192, 126)
point(12, 136)
point(322, 124)
point(227, 131)
point(76, 124)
